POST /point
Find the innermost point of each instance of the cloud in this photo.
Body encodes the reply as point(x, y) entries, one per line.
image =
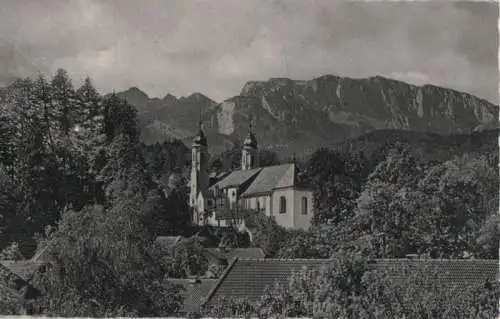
point(214, 47)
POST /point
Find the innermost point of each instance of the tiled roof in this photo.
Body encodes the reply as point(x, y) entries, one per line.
point(194, 293)
point(248, 278)
point(272, 177)
point(168, 241)
point(13, 286)
point(44, 253)
point(252, 252)
point(22, 268)
point(453, 273)
point(236, 178)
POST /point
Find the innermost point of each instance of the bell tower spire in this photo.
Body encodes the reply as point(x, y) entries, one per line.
point(199, 174)
point(249, 152)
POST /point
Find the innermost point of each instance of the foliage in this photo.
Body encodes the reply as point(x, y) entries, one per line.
point(75, 162)
point(105, 266)
point(53, 154)
point(10, 307)
point(231, 308)
point(268, 158)
point(11, 252)
point(185, 260)
point(437, 211)
point(267, 234)
point(166, 163)
point(336, 179)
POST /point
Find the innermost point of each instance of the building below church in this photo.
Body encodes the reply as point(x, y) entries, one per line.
point(272, 190)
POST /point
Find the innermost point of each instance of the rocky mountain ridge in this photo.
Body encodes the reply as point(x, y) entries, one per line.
point(300, 116)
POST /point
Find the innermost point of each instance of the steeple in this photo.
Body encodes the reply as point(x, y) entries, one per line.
point(249, 152)
point(200, 138)
point(250, 140)
point(199, 175)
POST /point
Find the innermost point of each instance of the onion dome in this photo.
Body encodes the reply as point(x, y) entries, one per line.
point(200, 138)
point(250, 140)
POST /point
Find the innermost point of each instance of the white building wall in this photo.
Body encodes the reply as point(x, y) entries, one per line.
point(284, 219)
point(232, 195)
point(302, 221)
point(261, 202)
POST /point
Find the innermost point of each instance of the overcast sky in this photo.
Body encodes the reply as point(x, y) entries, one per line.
point(215, 46)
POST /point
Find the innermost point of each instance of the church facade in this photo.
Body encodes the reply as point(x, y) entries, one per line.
point(272, 190)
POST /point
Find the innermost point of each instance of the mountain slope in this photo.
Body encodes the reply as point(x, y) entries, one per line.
point(425, 146)
point(300, 116)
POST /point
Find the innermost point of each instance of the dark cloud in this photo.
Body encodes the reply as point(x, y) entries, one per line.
point(214, 47)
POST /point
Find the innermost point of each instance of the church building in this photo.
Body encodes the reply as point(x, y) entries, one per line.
point(272, 190)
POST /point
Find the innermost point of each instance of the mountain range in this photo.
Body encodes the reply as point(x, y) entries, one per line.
point(290, 116)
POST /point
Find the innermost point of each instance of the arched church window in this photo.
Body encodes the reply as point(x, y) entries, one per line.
point(304, 205)
point(282, 204)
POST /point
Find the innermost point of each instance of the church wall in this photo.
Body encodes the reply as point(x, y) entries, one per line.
point(302, 221)
point(285, 219)
point(260, 202)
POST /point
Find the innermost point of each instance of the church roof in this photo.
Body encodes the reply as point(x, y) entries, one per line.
point(237, 178)
point(272, 177)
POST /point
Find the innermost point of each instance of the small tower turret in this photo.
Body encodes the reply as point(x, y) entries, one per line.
point(249, 153)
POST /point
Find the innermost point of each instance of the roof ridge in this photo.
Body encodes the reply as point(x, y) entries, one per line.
point(285, 259)
point(41, 251)
point(219, 282)
point(437, 259)
point(188, 279)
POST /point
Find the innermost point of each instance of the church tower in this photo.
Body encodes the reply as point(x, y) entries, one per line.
point(249, 154)
point(199, 174)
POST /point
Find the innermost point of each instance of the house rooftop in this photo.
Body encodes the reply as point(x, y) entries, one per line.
point(13, 287)
point(168, 241)
point(458, 274)
point(194, 292)
point(22, 268)
point(229, 254)
point(248, 278)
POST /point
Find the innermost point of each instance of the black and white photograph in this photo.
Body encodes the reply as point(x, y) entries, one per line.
point(249, 159)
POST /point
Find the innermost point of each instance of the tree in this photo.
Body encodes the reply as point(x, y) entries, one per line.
point(185, 260)
point(63, 101)
point(12, 252)
point(104, 266)
point(120, 118)
point(267, 234)
point(268, 158)
point(322, 168)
